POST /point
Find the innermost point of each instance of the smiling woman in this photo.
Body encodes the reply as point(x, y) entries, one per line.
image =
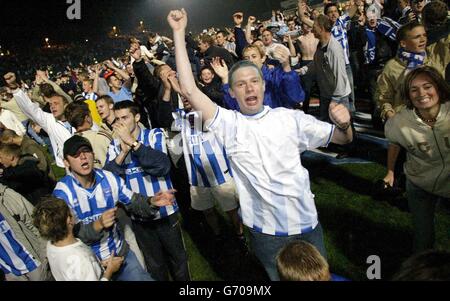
point(422, 129)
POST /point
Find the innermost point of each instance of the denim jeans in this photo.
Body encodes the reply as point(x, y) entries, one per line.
point(422, 205)
point(266, 247)
point(131, 270)
point(32, 133)
point(163, 248)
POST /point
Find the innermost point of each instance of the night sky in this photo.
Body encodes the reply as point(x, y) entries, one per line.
point(27, 22)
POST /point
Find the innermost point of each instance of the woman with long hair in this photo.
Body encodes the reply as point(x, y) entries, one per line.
point(423, 129)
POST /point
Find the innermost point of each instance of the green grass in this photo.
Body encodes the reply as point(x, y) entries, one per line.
point(355, 226)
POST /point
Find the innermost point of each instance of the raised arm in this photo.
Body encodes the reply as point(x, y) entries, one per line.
point(97, 71)
point(200, 102)
point(248, 29)
point(301, 13)
point(56, 87)
point(119, 71)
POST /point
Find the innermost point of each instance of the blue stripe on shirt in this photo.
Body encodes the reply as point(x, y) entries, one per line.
point(214, 163)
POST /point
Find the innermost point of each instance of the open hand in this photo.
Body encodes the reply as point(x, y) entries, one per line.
point(112, 264)
point(108, 218)
point(220, 68)
point(281, 54)
point(135, 51)
point(109, 64)
point(123, 132)
point(163, 198)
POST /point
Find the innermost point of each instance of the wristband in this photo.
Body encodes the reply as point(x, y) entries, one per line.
point(343, 129)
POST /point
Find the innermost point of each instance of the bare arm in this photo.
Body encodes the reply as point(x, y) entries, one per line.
point(291, 46)
point(301, 13)
point(281, 54)
point(56, 87)
point(248, 29)
point(178, 21)
point(96, 78)
point(122, 73)
point(392, 154)
point(340, 116)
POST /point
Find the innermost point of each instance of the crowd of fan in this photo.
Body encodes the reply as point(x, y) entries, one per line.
point(130, 139)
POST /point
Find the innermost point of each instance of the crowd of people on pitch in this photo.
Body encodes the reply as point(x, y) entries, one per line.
point(99, 161)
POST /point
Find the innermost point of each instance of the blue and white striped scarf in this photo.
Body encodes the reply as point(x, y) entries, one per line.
point(386, 27)
point(411, 59)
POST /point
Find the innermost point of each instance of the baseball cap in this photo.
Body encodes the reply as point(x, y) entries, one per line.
point(73, 144)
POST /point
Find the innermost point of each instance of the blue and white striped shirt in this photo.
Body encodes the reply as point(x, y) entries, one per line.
point(88, 204)
point(14, 258)
point(91, 95)
point(206, 160)
point(135, 177)
point(339, 32)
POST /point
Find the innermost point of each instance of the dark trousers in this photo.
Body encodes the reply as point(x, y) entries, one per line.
point(307, 82)
point(422, 205)
point(163, 248)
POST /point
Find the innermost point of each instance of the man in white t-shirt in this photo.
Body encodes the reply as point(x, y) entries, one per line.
point(69, 258)
point(264, 147)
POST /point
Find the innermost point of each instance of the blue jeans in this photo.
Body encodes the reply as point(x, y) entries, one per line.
point(266, 247)
point(32, 133)
point(131, 270)
point(422, 205)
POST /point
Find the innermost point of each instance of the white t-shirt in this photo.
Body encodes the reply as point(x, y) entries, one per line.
point(11, 122)
point(75, 262)
point(264, 152)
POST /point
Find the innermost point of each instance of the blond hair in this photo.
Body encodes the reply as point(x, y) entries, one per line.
point(301, 261)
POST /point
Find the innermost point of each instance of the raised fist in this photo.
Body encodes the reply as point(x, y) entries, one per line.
point(177, 19)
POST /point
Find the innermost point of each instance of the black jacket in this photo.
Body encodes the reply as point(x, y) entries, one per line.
point(214, 51)
point(152, 89)
point(27, 179)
